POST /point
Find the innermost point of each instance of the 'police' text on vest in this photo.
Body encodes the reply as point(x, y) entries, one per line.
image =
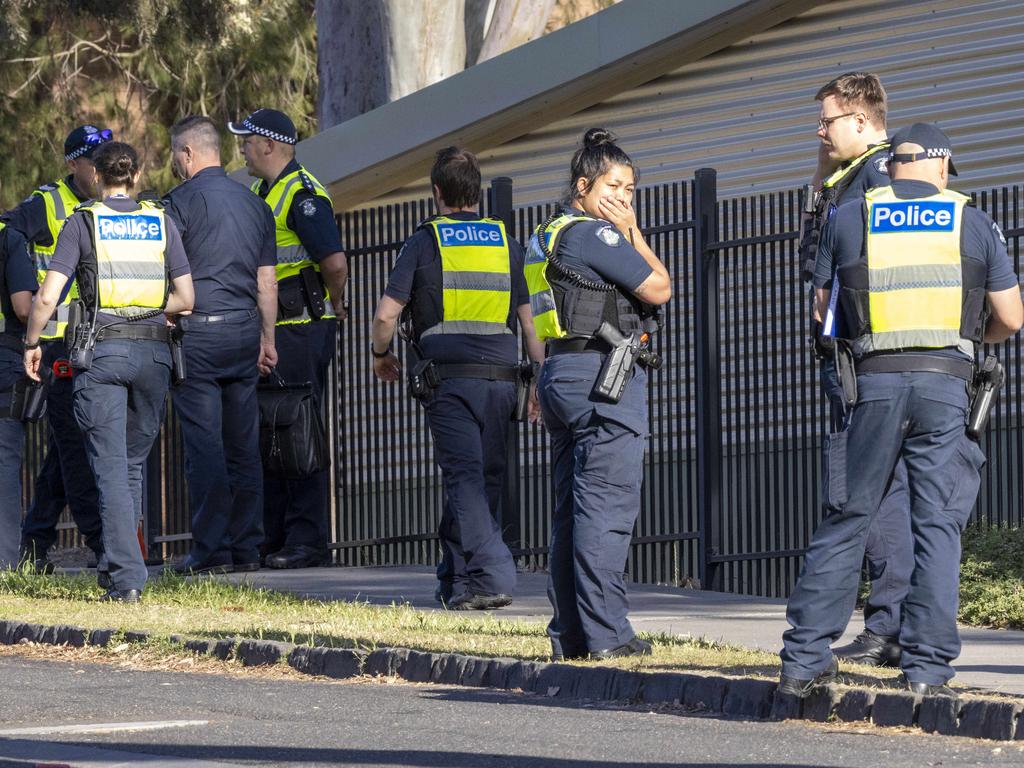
point(474, 233)
point(915, 216)
point(131, 227)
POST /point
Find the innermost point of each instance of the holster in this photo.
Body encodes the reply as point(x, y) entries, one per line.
point(179, 372)
point(522, 411)
point(28, 397)
point(423, 380)
point(313, 287)
point(301, 292)
point(846, 372)
point(80, 336)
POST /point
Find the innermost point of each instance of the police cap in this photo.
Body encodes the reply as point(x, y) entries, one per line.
point(269, 123)
point(932, 139)
point(84, 139)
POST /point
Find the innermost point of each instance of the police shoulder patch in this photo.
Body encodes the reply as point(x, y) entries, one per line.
point(308, 207)
point(609, 236)
point(882, 165)
point(999, 233)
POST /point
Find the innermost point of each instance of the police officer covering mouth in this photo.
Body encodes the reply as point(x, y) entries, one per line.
point(133, 275)
point(592, 278)
point(311, 273)
point(460, 280)
point(228, 235)
point(64, 479)
point(915, 266)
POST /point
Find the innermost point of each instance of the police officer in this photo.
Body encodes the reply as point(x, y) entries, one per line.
point(853, 158)
point(915, 265)
point(131, 270)
point(589, 265)
point(461, 279)
point(17, 284)
point(311, 274)
point(228, 234)
point(65, 478)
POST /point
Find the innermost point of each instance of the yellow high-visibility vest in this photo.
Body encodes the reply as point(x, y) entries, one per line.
point(542, 297)
point(131, 269)
point(60, 201)
point(475, 274)
point(292, 256)
point(914, 275)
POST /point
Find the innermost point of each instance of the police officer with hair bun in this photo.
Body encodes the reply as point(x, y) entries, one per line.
point(311, 273)
point(589, 269)
point(17, 284)
point(133, 276)
point(922, 280)
point(64, 478)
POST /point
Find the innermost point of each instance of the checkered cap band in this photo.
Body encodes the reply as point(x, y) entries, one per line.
point(267, 132)
point(78, 152)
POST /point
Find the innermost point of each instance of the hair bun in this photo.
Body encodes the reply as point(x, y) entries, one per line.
point(123, 164)
point(595, 137)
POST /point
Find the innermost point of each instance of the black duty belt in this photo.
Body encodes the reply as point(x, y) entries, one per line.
point(477, 371)
point(224, 317)
point(570, 346)
point(905, 362)
point(11, 342)
point(139, 332)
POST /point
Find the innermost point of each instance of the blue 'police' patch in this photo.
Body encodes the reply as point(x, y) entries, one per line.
point(470, 233)
point(129, 227)
point(913, 216)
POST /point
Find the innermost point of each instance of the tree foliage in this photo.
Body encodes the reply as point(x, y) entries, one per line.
point(136, 66)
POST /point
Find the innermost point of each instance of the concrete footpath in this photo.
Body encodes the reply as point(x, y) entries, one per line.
point(992, 659)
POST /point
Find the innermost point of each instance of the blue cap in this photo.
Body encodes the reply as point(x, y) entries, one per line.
point(83, 140)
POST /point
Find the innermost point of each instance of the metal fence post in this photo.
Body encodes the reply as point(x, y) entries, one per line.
point(152, 502)
point(709, 382)
point(500, 207)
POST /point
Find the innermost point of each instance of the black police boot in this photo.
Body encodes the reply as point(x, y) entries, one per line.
point(104, 580)
point(635, 647)
point(470, 601)
point(121, 596)
point(872, 650)
point(927, 690)
point(298, 557)
point(800, 687)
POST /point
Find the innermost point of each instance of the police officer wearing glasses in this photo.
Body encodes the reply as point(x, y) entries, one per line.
point(311, 273)
point(133, 276)
point(65, 478)
point(853, 158)
point(922, 279)
point(228, 234)
point(17, 284)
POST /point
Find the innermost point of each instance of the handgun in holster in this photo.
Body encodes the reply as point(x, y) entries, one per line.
point(80, 336)
point(617, 370)
point(28, 397)
point(523, 382)
point(988, 381)
point(179, 372)
point(423, 380)
point(313, 289)
point(846, 372)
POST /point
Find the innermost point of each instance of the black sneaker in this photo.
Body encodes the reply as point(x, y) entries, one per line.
point(925, 689)
point(470, 601)
point(635, 647)
point(800, 688)
point(872, 650)
point(121, 596)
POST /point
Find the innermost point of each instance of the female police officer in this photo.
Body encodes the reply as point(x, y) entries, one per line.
point(587, 265)
point(131, 270)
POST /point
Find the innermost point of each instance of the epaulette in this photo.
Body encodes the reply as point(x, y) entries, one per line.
point(46, 188)
point(426, 222)
point(83, 205)
point(307, 182)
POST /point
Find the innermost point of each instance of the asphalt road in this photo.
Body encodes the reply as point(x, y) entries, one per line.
point(87, 715)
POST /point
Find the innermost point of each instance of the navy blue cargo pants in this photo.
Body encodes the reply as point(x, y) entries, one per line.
point(469, 422)
point(216, 406)
point(12, 443)
point(920, 417)
point(597, 452)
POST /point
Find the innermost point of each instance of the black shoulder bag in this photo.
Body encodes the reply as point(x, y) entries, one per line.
point(293, 442)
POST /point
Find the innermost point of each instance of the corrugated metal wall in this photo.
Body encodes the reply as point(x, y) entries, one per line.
point(748, 111)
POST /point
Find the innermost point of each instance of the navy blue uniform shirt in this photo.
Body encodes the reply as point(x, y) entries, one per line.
point(873, 173)
point(29, 216)
point(842, 240)
point(227, 233)
point(311, 217)
point(598, 251)
point(419, 258)
point(76, 240)
point(19, 274)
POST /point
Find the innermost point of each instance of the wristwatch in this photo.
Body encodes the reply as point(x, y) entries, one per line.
point(379, 355)
point(34, 345)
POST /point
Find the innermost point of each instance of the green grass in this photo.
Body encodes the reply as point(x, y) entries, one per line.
point(992, 577)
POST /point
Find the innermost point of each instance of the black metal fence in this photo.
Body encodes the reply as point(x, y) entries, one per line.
point(732, 470)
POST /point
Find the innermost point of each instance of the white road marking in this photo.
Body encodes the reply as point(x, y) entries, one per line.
point(154, 725)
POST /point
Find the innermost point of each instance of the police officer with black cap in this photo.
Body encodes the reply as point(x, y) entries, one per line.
point(923, 278)
point(853, 158)
point(17, 284)
point(65, 478)
point(228, 235)
point(460, 279)
point(311, 274)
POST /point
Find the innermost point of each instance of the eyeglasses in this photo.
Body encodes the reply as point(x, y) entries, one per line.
point(91, 139)
point(826, 122)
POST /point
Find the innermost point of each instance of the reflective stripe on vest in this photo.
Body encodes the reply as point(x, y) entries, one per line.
point(915, 280)
point(291, 254)
point(542, 297)
point(60, 201)
point(131, 272)
point(476, 276)
point(853, 166)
